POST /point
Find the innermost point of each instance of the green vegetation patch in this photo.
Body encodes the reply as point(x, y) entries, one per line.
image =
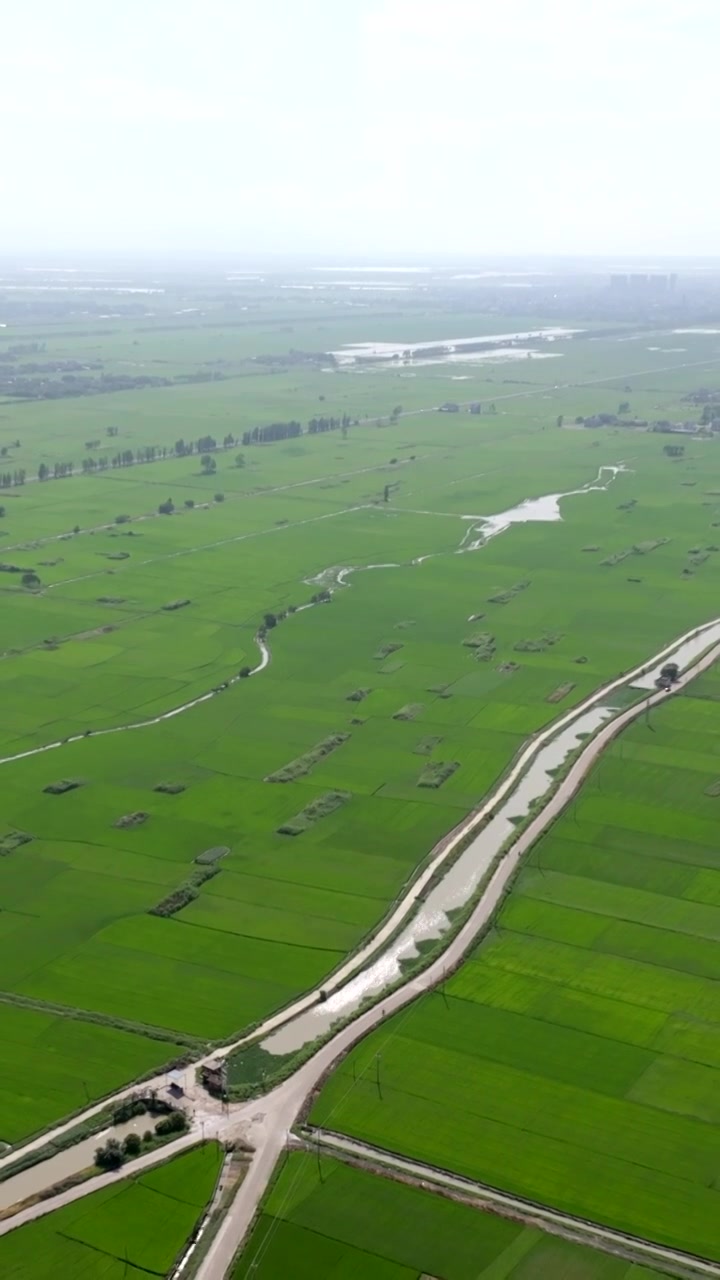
point(59, 788)
point(410, 711)
point(649, 544)
point(314, 1222)
point(504, 597)
point(482, 644)
point(130, 820)
point(319, 808)
point(125, 1231)
point(358, 695)
point(176, 604)
point(426, 746)
point(184, 894)
point(210, 856)
point(574, 1058)
point(543, 642)
point(437, 772)
point(385, 650)
point(13, 840)
point(170, 788)
point(561, 692)
point(304, 764)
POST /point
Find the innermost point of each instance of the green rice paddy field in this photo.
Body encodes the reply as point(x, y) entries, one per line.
point(574, 1059)
point(310, 1228)
point(78, 932)
point(134, 1228)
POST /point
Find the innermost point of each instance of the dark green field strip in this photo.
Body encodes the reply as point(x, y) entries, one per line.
point(648, 944)
point(351, 1223)
point(623, 902)
point(135, 1228)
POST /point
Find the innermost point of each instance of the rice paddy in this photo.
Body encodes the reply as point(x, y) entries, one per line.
point(125, 1231)
point(116, 956)
point(574, 1059)
point(344, 1222)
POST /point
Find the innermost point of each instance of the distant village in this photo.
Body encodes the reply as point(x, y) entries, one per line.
point(708, 423)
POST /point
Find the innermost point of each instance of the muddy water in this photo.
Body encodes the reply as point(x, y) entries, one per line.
point(454, 890)
point(65, 1163)
point(481, 528)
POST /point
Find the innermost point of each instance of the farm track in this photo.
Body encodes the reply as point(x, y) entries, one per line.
point(267, 1122)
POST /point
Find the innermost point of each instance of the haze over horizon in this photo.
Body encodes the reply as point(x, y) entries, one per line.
point(398, 127)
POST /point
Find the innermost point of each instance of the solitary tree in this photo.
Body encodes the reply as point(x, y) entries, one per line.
point(219, 497)
point(239, 459)
point(208, 464)
point(30, 579)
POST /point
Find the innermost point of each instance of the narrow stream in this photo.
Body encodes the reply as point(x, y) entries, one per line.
point(484, 527)
point(480, 530)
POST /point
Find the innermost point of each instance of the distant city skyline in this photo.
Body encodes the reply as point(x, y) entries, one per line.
point(393, 128)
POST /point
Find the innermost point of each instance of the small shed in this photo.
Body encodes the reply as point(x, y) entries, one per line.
point(176, 1084)
point(213, 1075)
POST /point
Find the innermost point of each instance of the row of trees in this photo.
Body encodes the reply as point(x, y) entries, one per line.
point(87, 380)
point(273, 432)
point(12, 479)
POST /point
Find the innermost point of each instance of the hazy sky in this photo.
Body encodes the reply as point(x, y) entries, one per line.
point(404, 126)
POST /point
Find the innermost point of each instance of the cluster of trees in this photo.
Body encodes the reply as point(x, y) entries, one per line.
point(273, 432)
point(10, 479)
point(129, 457)
point(331, 424)
point(59, 470)
point(22, 349)
point(47, 382)
point(114, 1153)
point(167, 507)
point(206, 444)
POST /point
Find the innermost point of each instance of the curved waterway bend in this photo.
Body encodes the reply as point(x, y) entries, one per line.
point(480, 529)
point(531, 509)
